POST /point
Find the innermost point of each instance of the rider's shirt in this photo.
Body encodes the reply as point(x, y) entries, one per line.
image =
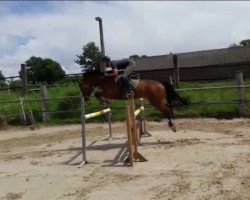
point(121, 64)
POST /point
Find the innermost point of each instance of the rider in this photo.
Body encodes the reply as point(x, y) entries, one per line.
point(127, 65)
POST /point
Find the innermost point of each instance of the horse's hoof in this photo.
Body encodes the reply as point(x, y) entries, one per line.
point(173, 128)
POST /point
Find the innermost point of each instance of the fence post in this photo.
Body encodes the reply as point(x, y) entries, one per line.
point(44, 103)
point(176, 71)
point(24, 80)
point(3, 121)
point(240, 90)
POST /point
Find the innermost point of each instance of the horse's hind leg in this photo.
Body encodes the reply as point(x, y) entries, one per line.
point(169, 115)
point(166, 110)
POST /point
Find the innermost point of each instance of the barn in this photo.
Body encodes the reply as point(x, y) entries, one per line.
point(215, 64)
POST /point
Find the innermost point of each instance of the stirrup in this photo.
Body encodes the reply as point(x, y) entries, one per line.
point(130, 94)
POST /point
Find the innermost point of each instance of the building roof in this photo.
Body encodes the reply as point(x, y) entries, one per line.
point(196, 59)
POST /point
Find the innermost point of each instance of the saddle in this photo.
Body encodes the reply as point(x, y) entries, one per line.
point(131, 81)
point(129, 84)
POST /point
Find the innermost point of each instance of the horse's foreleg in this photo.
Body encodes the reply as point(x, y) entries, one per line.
point(98, 92)
point(99, 96)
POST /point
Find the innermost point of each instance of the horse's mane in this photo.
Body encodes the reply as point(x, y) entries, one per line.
point(93, 73)
point(96, 76)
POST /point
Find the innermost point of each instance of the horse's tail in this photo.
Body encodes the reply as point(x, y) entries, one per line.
point(173, 98)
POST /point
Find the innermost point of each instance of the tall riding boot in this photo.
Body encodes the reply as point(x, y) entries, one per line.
point(128, 88)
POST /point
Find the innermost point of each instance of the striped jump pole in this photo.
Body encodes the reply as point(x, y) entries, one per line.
point(138, 111)
point(141, 123)
point(84, 117)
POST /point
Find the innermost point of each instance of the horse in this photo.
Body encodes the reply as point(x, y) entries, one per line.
point(156, 92)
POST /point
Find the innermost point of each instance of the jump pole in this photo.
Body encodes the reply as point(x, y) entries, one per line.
point(84, 117)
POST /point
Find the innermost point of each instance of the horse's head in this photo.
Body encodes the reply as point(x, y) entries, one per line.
point(90, 81)
point(86, 91)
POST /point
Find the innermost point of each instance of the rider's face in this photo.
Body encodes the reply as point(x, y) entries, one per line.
point(107, 64)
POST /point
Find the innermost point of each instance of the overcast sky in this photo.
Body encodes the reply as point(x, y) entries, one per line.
point(58, 30)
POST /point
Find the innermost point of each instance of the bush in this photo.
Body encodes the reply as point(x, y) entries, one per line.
point(68, 104)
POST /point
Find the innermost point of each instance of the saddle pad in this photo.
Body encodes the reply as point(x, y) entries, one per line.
point(134, 82)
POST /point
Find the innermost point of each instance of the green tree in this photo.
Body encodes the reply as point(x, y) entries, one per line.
point(245, 43)
point(45, 70)
point(2, 80)
point(15, 85)
point(90, 57)
point(134, 56)
point(233, 45)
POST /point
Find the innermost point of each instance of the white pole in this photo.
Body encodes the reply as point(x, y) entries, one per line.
point(110, 128)
point(24, 117)
point(83, 119)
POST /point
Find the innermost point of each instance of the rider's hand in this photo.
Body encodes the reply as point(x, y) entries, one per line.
point(118, 77)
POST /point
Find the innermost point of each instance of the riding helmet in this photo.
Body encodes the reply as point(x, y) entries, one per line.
point(106, 58)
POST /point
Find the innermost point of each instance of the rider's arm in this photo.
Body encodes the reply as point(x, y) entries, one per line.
point(114, 73)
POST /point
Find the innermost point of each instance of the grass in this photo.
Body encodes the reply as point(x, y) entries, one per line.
point(118, 107)
point(227, 110)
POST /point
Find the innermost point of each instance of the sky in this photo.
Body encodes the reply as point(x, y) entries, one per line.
point(59, 29)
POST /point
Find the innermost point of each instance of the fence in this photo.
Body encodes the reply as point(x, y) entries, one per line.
point(25, 87)
point(44, 112)
point(241, 101)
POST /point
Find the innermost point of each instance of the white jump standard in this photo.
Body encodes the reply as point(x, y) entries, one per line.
point(135, 129)
point(83, 120)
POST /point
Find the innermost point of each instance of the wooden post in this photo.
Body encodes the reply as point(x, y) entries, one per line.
point(44, 103)
point(176, 71)
point(133, 125)
point(240, 90)
point(31, 116)
point(3, 121)
point(134, 155)
point(24, 80)
point(129, 132)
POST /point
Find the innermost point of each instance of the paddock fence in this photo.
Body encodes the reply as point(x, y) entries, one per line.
point(43, 111)
point(24, 87)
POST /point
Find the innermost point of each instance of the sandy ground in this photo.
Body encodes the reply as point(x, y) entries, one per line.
point(205, 159)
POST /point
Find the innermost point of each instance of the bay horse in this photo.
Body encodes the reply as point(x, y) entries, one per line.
point(161, 96)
